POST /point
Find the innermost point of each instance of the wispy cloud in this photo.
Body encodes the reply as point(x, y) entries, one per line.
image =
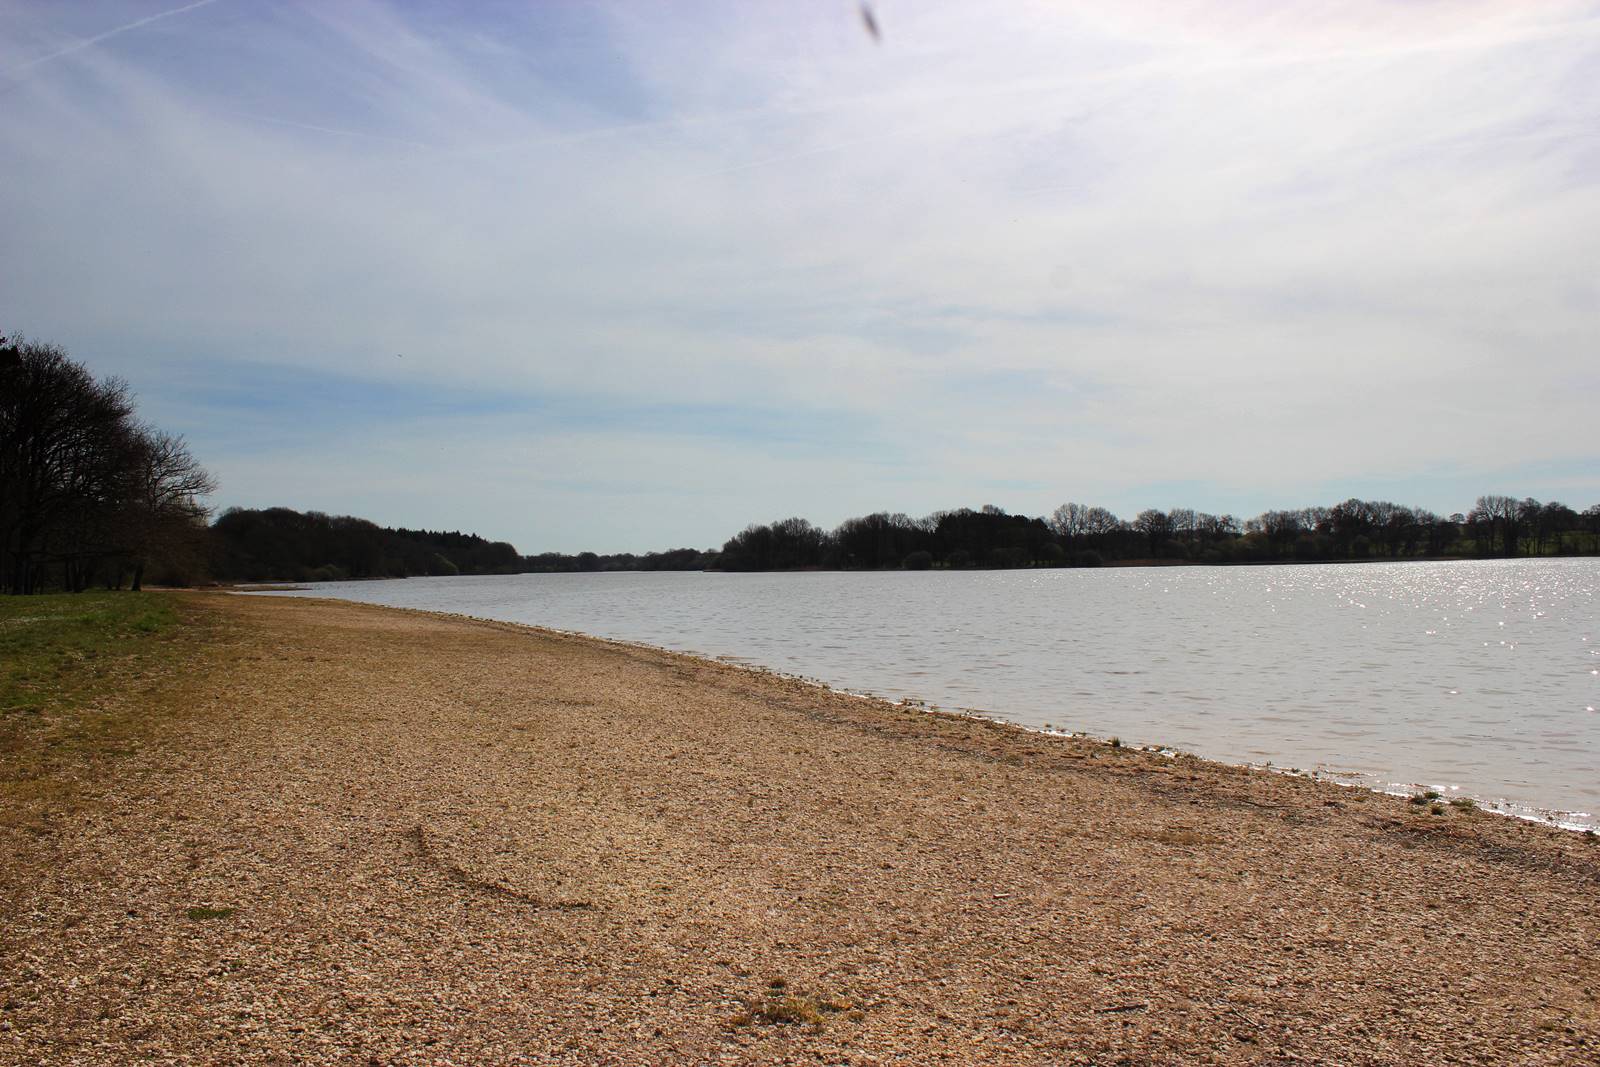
point(1102, 251)
point(99, 38)
point(331, 130)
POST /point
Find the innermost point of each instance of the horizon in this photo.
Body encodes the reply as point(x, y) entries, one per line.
point(630, 277)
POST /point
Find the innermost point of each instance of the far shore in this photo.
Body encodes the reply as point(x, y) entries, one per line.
point(360, 834)
point(1110, 564)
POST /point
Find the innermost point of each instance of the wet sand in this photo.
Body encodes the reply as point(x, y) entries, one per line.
point(361, 835)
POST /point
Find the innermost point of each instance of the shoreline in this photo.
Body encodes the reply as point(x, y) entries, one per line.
point(1567, 819)
point(405, 837)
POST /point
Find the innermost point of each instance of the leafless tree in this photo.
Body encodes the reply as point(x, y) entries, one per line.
point(1069, 521)
point(61, 459)
point(1501, 513)
point(1156, 527)
point(164, 516)
point(1076, 522)
point(80, 482)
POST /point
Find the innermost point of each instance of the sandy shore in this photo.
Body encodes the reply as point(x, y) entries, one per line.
point(360, 835)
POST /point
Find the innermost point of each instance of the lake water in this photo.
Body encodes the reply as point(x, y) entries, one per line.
point(1477, 678)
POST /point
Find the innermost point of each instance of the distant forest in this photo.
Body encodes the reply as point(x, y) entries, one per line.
point(281, 544)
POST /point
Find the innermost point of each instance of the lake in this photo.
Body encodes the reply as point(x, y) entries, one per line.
point(1476, 678)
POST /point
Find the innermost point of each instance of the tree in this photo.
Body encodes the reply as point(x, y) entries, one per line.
point(1069, 521)
point(162, 514)
point(785, 545)
point(1280, 528)
point(877, 540)
point(67, 447)
point(1075, 523)
point(1501, 514)
point(1099, 522)
point(1349, 522)
point(1184, 524)
point(1216, 527)
point(1156, 527)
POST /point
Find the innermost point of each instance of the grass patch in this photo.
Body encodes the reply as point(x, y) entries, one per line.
point(54, 648)
point(781, 1006)
point(1464, 804)
point(61, 656)
point(201, 913)
point(1424, 799)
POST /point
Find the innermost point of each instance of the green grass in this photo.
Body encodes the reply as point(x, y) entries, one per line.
point(61, 656)
point(200, 913)
point(55, 648)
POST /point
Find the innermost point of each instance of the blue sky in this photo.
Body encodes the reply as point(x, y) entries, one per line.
point(632, 275)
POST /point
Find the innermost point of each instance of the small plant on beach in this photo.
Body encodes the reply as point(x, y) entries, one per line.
point(1437, 809)
point(1115, 742)
point(200, 913)
point(780, 1007)
point(1464, 804)
point(1424, 798)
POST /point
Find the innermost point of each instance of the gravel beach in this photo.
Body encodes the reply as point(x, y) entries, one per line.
point(368, 836)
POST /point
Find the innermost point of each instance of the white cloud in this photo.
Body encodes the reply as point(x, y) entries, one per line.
point(1092, 248)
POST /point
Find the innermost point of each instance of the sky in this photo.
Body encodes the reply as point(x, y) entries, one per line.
point(632, 275)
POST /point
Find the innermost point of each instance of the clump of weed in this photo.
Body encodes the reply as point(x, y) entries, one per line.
point(1464, 804)
point(1437, 809)
point(199, 913)
point(1424, 798)
point(787, 1010)
point(1115, 742)
point(781, 1007)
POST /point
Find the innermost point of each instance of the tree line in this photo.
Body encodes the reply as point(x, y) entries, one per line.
point(1083, 535)
point(281, 544)
point(88, 492)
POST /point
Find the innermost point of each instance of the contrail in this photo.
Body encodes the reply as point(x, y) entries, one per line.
point(88, 42)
